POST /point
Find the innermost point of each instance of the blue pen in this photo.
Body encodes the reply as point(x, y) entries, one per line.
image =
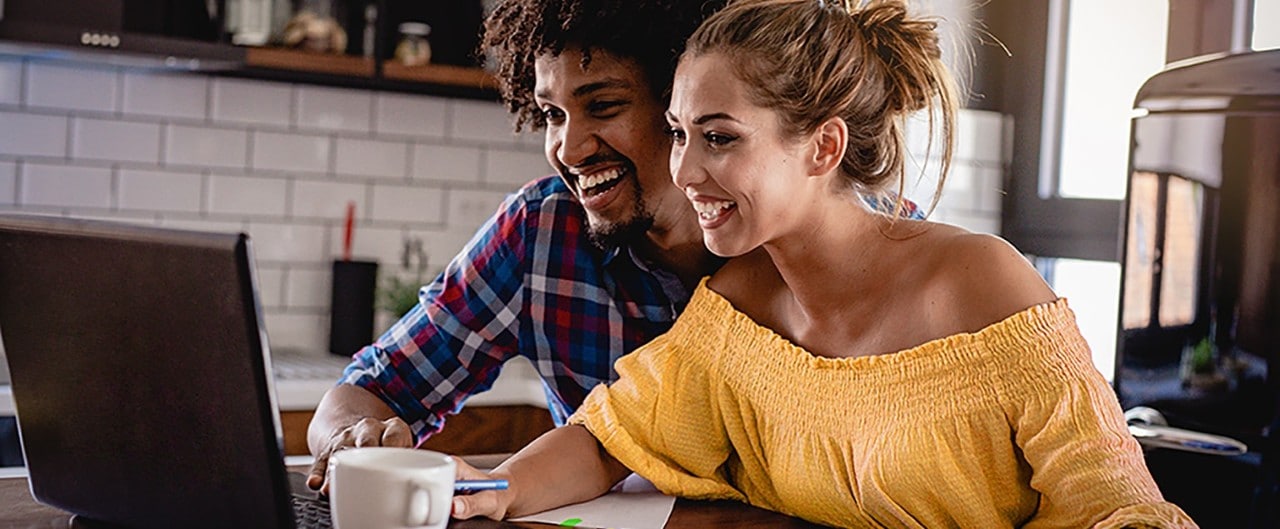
point(468, 486)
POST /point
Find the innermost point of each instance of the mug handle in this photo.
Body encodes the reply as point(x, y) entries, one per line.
point(424, 508)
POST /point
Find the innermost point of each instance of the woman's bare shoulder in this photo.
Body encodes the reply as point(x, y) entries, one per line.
point(983, 279)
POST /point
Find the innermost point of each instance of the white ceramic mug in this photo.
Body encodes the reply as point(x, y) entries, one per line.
point(384, 487)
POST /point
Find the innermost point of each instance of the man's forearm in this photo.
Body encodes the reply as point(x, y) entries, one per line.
point(566, 465)
point(342, 406)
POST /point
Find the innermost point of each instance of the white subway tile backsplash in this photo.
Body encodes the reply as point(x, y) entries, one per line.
point(307, 332)
point(279, 242)
point(921, 176)
point(975, 222)
point(281, 162)
point(121, 141)
point(979, 135)
point(917, 135)
point(442, 163)
point(72, 86)
point(307, 288)
point(291, 152)
point(125, 217)
point(990, 189)
point(65, 186)
point(334, 109)
point(270, 286)
point(469, 209)
point(245, 195)
point(410, 115)
point(256, 102)
point(369, 243)
point(533, 139)
point(442, 244)
point(186, 222)
point(10, 81)
point(482, 121)
point(388, 159)
point(327, 200)
point(506, 169)
point(8, 183)
point(408, 204)
point(960, 191)
point(180, 96)
point(160, 190)
point(206, 147)
point(33, 134)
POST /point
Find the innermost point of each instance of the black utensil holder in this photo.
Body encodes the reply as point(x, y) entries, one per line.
point(355, 284)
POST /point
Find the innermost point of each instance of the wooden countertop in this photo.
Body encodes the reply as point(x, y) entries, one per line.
point(20, 511)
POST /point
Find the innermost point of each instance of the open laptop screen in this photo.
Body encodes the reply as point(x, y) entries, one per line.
point(139, 373)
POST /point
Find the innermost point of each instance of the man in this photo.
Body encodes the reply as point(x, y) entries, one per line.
point(573, 271)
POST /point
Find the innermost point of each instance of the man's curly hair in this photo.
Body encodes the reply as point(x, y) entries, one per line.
point(651, 32)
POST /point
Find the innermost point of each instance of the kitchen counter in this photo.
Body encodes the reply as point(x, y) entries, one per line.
point(302, 379)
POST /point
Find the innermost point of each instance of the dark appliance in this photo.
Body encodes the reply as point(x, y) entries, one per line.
point(183, 34)
point(1199, 330)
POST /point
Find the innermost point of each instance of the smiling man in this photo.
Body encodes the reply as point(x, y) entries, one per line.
point(606, 137)
point(575, 269)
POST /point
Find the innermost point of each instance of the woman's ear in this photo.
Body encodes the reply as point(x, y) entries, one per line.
point(829, 141)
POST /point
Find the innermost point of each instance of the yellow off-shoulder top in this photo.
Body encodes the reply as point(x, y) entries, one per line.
point(1009, 426)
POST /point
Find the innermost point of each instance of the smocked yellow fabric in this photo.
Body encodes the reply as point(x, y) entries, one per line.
point(1008, 426)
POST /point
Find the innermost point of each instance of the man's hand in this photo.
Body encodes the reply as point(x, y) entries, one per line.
point(366, 432)
point(489, 504)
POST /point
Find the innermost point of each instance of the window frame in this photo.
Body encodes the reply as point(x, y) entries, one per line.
point(1027, 83)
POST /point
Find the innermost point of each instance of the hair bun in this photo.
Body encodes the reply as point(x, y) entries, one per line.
point(891, 33)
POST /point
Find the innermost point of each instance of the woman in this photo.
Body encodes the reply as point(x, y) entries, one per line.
point(845, 366)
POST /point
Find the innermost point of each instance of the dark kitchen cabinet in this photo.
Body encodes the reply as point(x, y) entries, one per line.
point(454, 69)
point(132, 33)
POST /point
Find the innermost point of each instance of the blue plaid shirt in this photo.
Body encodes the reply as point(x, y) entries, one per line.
point(530, 283)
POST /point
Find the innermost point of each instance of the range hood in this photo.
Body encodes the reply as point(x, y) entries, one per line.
point(170, 34)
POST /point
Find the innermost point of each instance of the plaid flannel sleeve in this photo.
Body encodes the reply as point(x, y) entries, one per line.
point(452, 344)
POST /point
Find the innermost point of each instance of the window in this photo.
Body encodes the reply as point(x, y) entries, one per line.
point(1068, 82)
point(1100, 78)
point(1093, 290)
point(1266, 29)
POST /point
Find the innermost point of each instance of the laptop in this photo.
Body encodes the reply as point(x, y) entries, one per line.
point(140, 374)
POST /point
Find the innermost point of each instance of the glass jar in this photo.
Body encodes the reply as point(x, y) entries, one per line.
point(413, 49)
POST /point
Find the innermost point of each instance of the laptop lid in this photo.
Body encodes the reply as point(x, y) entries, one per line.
point(139, 374)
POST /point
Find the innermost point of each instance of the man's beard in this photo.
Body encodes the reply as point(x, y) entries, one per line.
point(617, 234)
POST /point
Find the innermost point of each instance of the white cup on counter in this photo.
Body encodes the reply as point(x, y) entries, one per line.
point(388, 487)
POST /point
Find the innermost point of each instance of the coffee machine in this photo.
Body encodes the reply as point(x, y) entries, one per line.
point(1198, 353)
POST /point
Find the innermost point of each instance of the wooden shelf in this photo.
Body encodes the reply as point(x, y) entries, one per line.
point(348, 70)
point(311, 62)
point(440, 74)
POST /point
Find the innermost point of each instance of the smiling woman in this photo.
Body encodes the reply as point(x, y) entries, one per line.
point(833, 326)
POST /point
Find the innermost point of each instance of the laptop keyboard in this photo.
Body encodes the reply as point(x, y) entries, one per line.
point(311, 513)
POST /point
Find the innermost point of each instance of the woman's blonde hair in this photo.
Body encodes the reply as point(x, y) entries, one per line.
point(870, 63)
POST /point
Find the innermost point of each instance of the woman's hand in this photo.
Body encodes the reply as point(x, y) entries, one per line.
point(491, 504)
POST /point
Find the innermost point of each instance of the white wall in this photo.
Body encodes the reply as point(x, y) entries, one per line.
point(280, 161)
point(276, 160)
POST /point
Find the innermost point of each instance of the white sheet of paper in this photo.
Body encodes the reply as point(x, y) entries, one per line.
point(636, 504)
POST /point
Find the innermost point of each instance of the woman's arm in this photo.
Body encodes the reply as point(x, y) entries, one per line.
point(563, 466)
